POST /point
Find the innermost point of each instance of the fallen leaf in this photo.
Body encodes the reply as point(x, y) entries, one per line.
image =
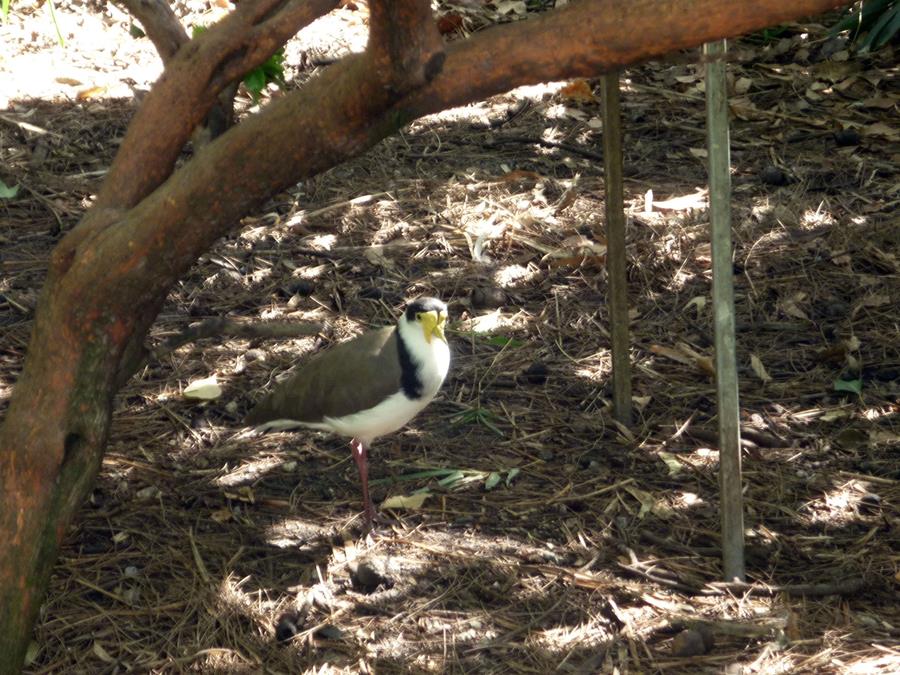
point(520, 176)
point(742, 85)
point(89, 93)
point(8, 191)
point(670, 353)
point(577, 251)
point(881, 129)
point(511, 7)
point(684, 354)
point(645, 499)
point(852, 386)
point(568, 198)
point(101, 653)
point(242, 494)
point(578, 90)
point(697, 200)
point(672, 464)
point(698, 302)
point(878, 102)
point(757, 365)
point(791, 305)
point(206, 389)
point(412, 502)
point(492, 480)
point(221, 515)
point(641, 402)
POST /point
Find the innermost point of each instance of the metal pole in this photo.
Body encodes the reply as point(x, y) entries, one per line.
point(723, 304)
point(615, 238)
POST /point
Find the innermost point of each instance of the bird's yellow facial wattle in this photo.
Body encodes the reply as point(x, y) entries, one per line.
point(433, 325)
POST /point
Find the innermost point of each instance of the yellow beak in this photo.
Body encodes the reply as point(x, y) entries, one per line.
point(433, 325)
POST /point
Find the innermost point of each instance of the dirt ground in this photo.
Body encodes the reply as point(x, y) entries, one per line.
point(551, 539)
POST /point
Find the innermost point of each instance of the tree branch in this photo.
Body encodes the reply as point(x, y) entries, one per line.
point(346, 110)
point(404, 41)
point(160, 24)
point(187, 90)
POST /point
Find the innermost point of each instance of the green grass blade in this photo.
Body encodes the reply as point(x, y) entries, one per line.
point(62, 42)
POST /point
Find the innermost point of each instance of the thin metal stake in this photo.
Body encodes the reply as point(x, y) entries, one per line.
point(723, 303)
point(615, 238)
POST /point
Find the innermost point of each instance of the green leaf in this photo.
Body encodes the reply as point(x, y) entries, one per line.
point(860, 19)
point(8, 192)
point(885, 28)
point(255, 81)
point(4, 8)
point(512, 473)
point(454, 477)
point(34, 648)
point(852, 386)
point(492, 480)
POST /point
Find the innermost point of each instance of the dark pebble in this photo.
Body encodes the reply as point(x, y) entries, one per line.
point(302, 287)
point(329, 632)
point(536, 373)
point(366, 577)
point(287, 626)
point(772, 175)
point(688, 643)
point(870, 503)
point(846, 137)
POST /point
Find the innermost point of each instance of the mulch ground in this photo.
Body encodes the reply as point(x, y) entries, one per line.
point(551, 538)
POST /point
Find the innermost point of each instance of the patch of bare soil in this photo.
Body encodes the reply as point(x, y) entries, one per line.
point(596, 547)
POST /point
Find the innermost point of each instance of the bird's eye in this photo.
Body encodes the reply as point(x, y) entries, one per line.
point(418, 316)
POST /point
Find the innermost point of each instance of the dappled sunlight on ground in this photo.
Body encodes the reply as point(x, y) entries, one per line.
point(550, 537)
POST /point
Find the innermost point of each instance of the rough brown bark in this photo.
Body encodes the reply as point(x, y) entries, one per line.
point(110, 275)
point(404, 41)
point(160, 24)
point(168, 35)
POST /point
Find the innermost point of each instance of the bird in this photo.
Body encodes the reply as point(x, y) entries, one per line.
point(366, 387)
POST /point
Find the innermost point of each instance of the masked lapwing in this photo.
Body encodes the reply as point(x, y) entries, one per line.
point(366, 387)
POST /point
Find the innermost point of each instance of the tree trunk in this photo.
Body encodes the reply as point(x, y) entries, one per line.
point(109, 277)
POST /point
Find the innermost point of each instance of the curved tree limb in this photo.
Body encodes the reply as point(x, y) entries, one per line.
point(187, 90)
point(404, 41)
point(160, 24)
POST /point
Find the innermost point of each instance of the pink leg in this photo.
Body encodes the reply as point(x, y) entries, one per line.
point(359, 456)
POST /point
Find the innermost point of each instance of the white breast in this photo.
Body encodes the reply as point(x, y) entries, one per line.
point(433, 361)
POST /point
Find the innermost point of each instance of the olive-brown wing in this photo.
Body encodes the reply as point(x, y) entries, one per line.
point(347, 378)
